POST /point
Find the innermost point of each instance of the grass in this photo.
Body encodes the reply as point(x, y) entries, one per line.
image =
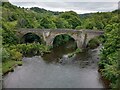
point(78, 50)
point(8, 66)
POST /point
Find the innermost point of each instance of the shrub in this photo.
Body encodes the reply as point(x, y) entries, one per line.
point(15, 55)
point(5, 55)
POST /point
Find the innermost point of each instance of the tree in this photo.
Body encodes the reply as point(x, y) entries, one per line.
point(109, 55)
point(22, 23)
point(72, 18)
point(61, 23)
point(47, 23)
point(99, 25)
point(89, 25)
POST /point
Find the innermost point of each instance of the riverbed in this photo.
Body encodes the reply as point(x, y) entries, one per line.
point(56, 70)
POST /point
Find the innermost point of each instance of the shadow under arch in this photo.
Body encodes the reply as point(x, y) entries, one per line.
point(64, 40)
point(30, 38)
point(95, 42)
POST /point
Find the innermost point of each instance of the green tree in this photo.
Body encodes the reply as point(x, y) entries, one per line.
point(47, 23)
point(99, 25)
point(61, 23)
point(89, 25)
point(109, 55)
point(72, 18)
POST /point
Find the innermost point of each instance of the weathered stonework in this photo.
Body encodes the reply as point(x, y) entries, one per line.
point(82, 37)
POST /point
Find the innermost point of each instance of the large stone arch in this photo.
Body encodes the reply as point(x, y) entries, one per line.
point(74, 38)
point(50, 39)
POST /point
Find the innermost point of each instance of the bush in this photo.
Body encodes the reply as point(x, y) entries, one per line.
point(79, 27)
point(30, 49)
point(5, 55)
point(110, 55)
point(15, 55)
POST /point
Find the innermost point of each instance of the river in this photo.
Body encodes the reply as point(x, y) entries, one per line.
point(56, 70)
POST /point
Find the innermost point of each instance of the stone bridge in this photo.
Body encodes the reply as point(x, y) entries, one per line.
point(82, 37)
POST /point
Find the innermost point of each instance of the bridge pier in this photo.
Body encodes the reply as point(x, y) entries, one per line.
point(84, 44)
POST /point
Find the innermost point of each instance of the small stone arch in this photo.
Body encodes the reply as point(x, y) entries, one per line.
point(95, 40)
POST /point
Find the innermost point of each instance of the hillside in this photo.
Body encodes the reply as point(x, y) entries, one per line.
point(42, 10)
point(40, 18)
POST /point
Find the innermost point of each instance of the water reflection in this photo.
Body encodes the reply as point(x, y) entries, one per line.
point(58, 52)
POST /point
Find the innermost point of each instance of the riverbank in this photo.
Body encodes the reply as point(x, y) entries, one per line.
point(12, 55)
point(9, 66)
point(106, 81)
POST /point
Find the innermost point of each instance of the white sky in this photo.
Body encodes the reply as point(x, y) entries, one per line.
point(79, 6)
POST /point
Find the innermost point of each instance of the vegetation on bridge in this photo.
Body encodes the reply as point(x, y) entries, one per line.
point(15, 17)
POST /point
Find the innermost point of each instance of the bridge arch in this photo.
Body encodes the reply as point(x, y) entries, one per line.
point(89, 35)
point(64, 38)
point(31, 37)
point(94, 42)
point(73, 35)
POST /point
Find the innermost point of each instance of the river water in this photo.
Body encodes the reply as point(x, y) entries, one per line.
point(56, 70)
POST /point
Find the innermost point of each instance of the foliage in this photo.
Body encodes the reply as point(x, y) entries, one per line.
point(10, 58)
point(15, 55)
point(61, 23)
point(10, 54)
point(30, 49)
point(41, 10)
point(72, 18)
point(61, 39)
point(93, 43)
point(47, 23)
point(79, 27)
point(9, 38)
point(89, 25)
point(5, 55)
point(109, 54)
point(78, 50)
point(9, 65)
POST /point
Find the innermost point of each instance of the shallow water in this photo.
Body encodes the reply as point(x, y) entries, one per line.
point(56, 70)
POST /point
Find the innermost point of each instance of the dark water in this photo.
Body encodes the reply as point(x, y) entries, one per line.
point(56, 70)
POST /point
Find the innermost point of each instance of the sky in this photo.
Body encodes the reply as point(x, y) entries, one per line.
point(79, 6)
